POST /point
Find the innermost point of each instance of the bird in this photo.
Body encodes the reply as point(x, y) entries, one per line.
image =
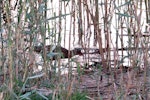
point(56, 50)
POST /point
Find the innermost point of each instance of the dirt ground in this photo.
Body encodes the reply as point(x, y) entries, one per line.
point(99, 83)
point(122, 86)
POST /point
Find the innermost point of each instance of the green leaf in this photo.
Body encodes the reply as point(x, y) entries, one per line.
point(36, 76)
point(40, 94)
point(126, 3)
point(52, 18)
point(124, 15)
point(26, 95)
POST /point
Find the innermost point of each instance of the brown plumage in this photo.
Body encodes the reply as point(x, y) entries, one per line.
point(58, 49)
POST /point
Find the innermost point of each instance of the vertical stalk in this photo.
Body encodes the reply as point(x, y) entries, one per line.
point(59, 35)
point(10, 45)
point(70, 67)
point(43, 34)
point(80, 27)
point(74, 20)
point(98, 33)
point(64, 24)
point(2, 49)
point(10, 62)
point(106, 34)
point(147, 7)
point(60, 23)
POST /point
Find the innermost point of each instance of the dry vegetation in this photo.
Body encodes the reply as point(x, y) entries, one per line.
point(116, 28)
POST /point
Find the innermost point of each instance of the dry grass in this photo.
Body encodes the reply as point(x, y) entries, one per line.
point(114, 25)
